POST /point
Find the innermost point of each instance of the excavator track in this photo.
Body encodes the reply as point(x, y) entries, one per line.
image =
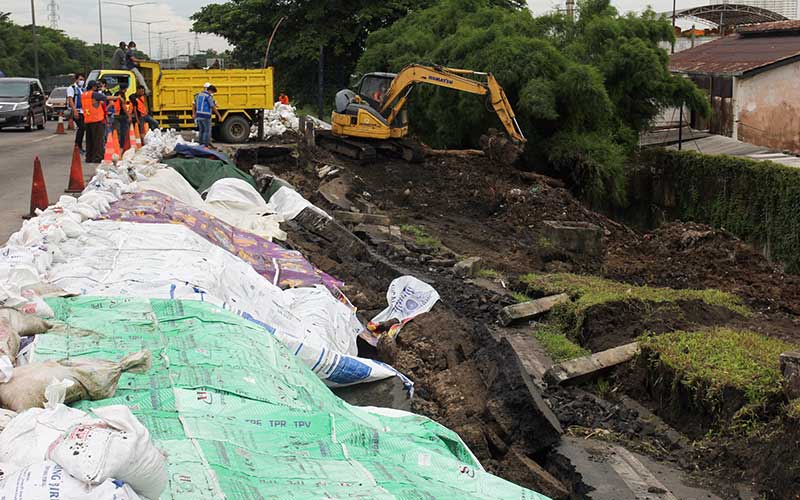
point(353, 148)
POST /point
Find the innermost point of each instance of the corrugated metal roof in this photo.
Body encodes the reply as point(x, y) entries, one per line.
point(773, 27)
point(736, 54)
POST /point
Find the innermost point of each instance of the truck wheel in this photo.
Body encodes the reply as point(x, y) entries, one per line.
point(235, 129)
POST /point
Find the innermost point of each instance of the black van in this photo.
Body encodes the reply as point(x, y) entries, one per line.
point(22, 103)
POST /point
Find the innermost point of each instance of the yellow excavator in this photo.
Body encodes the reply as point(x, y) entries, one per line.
point(374, 120)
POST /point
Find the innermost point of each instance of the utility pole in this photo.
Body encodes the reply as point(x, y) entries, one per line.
point(100, 11)
point(52, 14)
point(673, 25)
point(571, 9)
point(160, 43)
point(149, 41)
point(130, 7)
point(35, 41)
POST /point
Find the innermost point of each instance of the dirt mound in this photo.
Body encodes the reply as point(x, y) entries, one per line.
point(690, 255)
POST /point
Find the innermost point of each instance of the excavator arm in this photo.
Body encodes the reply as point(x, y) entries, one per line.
point(455, 79)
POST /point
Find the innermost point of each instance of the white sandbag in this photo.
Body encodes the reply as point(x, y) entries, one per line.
point(93, 379)
point(116, 446)
point(26, 438)
point(408, 297)
point(6, 416)
point(48, 480)
point(230, 189)
point(287, 203)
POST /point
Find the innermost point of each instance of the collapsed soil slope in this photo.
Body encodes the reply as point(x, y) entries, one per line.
point(467, 206)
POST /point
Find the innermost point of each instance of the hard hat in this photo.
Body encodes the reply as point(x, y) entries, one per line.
point(206, 85)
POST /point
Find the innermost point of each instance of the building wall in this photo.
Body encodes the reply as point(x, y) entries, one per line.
point(767, 108)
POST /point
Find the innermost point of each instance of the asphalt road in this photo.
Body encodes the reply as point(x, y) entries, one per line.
point(17, 152)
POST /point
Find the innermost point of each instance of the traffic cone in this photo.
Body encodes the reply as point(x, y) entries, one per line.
point(117, 149)
point(135, 127)
point(130, 141)
point(71, 123)
point(38, 190)
point(75, 173)
point(108, 156)
point(60, 127)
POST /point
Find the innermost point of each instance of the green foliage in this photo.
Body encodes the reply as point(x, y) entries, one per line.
point(58, 53)
point(581, 89)
point(756, 200)
point(340, 27)
point(588, 291)
point(714, 360)
point(488, 274)
point(557, 345)
point(421, 236)
point(520, 297)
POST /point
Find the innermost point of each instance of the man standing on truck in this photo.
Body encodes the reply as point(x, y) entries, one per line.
point(202, 108)
point(74, 92)
point(142, 113)
point(118, 59)
point(130, 64)
point(94, 116)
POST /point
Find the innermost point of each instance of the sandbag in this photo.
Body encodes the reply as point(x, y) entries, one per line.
point(49, 480)
point(117, 446)
point(93, 379)
point(26, 438)
point(9, 342)
point(23, 324)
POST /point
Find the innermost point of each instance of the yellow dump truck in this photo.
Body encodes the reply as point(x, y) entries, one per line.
point(241, 95)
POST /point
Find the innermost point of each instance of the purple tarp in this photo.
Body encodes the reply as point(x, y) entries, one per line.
point(266, 257)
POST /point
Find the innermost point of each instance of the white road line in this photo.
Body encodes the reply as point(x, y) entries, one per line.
point(44, 138)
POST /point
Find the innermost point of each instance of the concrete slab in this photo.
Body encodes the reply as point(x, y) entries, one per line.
point(361, 218)
point(574, 236)
point(530, 309)
point(592, 365)
point(335, 192)
point(613, 473)
point(468, 267)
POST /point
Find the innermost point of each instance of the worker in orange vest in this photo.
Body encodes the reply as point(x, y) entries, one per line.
point(122, 118)
point(283, 99)
point(142, 113)
point(94, 117)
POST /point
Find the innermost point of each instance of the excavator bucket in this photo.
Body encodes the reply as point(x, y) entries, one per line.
point(499, 148)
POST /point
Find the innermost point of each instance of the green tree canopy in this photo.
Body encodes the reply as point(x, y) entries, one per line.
point(582, 90)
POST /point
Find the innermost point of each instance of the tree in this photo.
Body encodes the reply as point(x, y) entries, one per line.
point(582, 90)
point(339, 26)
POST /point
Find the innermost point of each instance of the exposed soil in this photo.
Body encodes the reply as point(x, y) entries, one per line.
point(471, 382)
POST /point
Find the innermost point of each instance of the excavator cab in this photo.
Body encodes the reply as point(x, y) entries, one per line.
point(373, 87)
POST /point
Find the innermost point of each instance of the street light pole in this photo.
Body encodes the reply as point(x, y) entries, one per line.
point(130, 7)
point(149, 40)
point(100, 11)
point(35, 41)
point(160, 43)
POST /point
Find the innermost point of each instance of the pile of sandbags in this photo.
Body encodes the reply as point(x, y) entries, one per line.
point(60, 452)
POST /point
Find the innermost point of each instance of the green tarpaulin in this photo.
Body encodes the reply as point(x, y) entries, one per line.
point(201, 173)
point(239, 418)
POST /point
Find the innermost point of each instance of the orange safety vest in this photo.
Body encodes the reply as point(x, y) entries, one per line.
point(93, 112)
point(141, 105)
point(130, 108)
point(117, 105)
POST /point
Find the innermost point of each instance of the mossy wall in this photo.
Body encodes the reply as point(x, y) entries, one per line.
point(758, 201)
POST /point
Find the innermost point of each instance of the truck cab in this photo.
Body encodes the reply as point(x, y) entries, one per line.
point(242, 95)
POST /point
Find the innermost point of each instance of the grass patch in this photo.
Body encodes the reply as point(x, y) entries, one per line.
point(557, 345)
point(421, 237)
point(587, 291)
point(713, 360)
point(520, 297)
point(489, 274)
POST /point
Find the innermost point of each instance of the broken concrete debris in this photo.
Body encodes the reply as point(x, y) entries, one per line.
point(591, 366)
point(468, 267)
point(530, 309)
point(790, 368)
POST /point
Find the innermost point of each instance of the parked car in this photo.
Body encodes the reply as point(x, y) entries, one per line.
point(56, 103)
point(22, 103)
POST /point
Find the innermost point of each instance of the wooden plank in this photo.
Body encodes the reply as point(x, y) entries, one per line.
point(530, 309)
point(592, 365)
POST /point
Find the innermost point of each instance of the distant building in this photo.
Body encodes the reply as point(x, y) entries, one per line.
point(752, 79)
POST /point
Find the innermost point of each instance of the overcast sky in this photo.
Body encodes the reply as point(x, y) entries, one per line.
point(79, 18)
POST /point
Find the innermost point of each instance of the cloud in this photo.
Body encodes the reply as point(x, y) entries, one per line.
point(80, 19)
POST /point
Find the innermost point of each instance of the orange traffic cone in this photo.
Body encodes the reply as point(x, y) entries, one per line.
point(117, 149)
point(38, 190)
point(108, 156)
point(135, 127)
point(60, 127)
point(130, 141)
point(71, 123)
point(75, 173)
